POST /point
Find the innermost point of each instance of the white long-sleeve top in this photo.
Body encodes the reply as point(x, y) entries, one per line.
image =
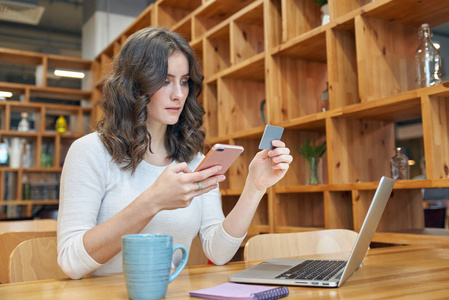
point(94, 188)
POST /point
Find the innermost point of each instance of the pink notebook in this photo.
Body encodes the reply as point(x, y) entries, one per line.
point(240, 291)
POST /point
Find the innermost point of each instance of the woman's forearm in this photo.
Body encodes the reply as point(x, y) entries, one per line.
point(237, 222)
point(103, 241)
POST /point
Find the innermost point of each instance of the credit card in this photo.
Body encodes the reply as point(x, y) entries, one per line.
point(270, 133)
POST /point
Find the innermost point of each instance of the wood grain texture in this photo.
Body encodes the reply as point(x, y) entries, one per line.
point(28, 225)
point(9, 241)
point(406, 272)
point(35, 259)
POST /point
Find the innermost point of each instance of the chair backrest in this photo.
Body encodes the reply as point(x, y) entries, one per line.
point(35, 259)
point(28, 225)
point(9, 241)
point(266, 246)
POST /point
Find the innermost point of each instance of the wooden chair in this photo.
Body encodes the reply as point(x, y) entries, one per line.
point(28, 225)
point(266, 246)
point(35, 259)
point(9, 241)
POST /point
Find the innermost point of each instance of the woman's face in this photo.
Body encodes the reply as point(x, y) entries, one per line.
point(167, 103)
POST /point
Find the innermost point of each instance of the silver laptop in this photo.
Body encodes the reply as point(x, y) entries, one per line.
point(321, 273)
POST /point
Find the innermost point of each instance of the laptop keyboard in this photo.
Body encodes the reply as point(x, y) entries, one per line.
point(314, 270)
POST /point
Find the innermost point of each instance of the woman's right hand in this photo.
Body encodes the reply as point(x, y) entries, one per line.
point(178, 185)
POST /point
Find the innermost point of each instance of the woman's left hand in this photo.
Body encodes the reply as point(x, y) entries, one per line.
point(269, 166)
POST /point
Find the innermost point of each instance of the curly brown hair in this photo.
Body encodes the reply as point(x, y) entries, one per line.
point(139, 70)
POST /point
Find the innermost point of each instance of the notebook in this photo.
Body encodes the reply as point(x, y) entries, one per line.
point(303, 272)
point(239, 291)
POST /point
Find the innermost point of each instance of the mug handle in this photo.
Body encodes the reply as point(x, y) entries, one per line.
point(185, 256)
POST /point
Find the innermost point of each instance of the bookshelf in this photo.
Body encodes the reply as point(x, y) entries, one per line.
point(45, 98)
point(278, 53)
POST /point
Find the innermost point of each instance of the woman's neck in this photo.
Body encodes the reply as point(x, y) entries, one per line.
point(159, 153)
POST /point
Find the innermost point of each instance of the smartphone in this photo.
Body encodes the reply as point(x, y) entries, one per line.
point(220, 154)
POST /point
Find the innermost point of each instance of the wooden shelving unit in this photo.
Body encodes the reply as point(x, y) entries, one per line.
point(44, 100)
point(278, 53)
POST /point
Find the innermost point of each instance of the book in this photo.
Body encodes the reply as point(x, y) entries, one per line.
point(238, 291)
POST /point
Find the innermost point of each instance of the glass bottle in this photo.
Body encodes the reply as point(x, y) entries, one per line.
point(61, 125)
point(24, 125)
point(325, 98)
point(26, 188)
point(428, 60)
point(400, 169)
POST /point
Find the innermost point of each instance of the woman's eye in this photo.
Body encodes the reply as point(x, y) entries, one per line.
point(185, 82)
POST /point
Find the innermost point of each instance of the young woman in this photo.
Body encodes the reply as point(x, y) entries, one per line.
point(134, 174)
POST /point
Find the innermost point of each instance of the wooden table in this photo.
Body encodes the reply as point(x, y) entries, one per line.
point(402, 272)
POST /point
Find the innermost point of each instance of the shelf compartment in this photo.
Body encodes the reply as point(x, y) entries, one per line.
point(401, 107)
point(412, 13)
point(211, 108)
point(217, 52)
point(238, 172)
point(308, 46)
point(15, 110)
point(10, 185)
point(170, 12)
point(247, 35)
point(184, 28)
point(359, 150)
point(296, 86)
point(64, 145)
point(338, 210)
point(342, 66)
point(404, 210)
point(237, 99)
point(42, 186)
point(19, 91)
point(67, 64)
point(385, 57)
point(342, 7)
point(73, 63)
point(436, 124)
point(260, 220)
point(22, 62)
point(292, 18)
point(299, 210)
point(19, 73)
point(47, 153)
point(74, 118)
point(298, 173)
point(214, 13)
point(59, 94)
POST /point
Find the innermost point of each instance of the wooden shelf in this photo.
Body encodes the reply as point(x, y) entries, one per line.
point(276, 57)
point(44, 104)
point(29, 202)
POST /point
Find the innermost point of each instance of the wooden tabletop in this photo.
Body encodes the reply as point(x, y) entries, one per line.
point(402, 272)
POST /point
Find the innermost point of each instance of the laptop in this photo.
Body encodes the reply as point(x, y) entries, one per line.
point(309, 272)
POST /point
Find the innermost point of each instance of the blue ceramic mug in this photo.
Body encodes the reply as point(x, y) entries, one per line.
point(147, 260)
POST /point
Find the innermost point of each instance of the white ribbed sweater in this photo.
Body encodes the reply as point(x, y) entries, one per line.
point(93, 189)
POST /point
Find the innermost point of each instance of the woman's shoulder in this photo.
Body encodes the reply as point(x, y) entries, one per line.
point(89, 143)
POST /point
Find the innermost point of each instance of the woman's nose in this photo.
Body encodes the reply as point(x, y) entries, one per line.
point(177, 92)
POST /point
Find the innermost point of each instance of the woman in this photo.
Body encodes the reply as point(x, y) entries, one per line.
point(134, 174)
